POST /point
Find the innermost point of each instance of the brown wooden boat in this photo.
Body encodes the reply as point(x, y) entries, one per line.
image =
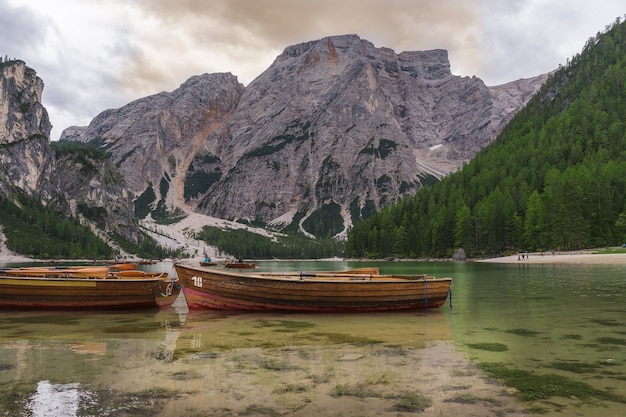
point(85, 288)
point(206, 263)
point(240, 265)
point(332, 291)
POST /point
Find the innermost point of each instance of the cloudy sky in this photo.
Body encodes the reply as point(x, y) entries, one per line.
point(98, 54)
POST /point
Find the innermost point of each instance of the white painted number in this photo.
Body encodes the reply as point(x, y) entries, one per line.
point(197, 281)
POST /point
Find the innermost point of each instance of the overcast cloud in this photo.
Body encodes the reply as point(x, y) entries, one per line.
point(98, 54)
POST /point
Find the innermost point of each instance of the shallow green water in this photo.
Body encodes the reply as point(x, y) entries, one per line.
point(563, 320)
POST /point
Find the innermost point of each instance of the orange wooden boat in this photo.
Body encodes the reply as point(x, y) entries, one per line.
point(333, 291)
point(126, 266)
point(85, 288)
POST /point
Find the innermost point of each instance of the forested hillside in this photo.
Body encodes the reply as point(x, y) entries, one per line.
point(52, 232)
point(555, 178)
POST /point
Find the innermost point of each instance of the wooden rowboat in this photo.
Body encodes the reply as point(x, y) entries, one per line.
point(312, 291)
point(85, 288)
point(240, 265)
point(126, 266)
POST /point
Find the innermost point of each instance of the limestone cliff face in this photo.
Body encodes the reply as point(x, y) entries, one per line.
point(25, 160)
point(29, 165)
point(153, 141)
point(21, 113)
point(335, 122)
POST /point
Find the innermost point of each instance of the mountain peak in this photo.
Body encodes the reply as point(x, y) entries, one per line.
point(330, 42)
point(432, 64)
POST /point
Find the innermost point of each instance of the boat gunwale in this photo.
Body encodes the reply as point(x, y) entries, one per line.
point(111, 279)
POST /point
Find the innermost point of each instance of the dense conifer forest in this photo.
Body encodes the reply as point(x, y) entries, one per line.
point(42, 232)
point(245, 244)
point(554, 178)
point(37, 231)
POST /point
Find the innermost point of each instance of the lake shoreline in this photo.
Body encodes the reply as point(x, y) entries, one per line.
point(576, 257)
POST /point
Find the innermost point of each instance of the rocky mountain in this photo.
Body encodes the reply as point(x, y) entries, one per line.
point(29, 165)
point(333, 130)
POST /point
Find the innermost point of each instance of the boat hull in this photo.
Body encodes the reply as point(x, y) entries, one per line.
point(86, 293)
point(224, 290)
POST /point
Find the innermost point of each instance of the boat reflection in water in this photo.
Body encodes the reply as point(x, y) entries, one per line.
point(217, 331)
point(173, 362)
point(69, 363)
point(307, 364)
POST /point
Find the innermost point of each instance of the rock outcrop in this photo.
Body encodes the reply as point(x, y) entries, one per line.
point(26, 162)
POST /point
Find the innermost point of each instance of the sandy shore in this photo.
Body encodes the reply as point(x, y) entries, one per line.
point(578, 257)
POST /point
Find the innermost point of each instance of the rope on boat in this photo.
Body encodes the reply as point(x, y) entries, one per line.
point(168, 289)
point(175, 280)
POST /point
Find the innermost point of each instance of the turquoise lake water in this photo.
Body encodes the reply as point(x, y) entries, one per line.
point(558, 320)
